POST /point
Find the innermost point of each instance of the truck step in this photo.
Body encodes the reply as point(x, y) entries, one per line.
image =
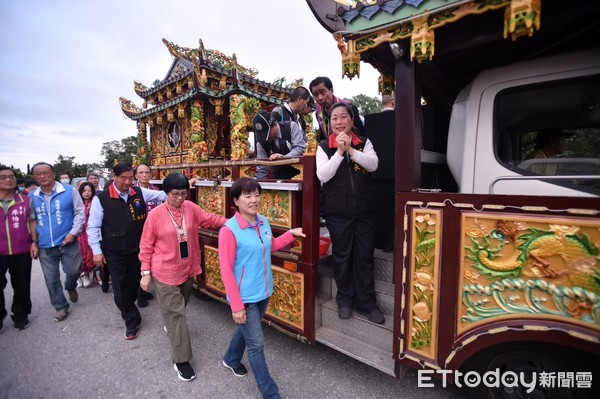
point(383, 266)
point(357, 349)
point(359, 327)
point(326, 289)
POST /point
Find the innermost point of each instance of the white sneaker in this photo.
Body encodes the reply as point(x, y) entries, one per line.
point(86, 280)
point(79, 283)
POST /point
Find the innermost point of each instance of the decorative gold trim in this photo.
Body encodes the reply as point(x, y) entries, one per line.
point(276, 206)
point(212, 271)
point(425, 282)
point(287, 302)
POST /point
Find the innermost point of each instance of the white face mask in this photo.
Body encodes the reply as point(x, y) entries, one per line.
point(65, 181)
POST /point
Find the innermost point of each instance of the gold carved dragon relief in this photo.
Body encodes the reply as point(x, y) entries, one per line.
point(287, 302)
point(529, 267)
point(423, 302)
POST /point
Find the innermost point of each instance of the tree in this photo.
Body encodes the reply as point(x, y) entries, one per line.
point(365, 104)
point(119, 152)
point(65, 164)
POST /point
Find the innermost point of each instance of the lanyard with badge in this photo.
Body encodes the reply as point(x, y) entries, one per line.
point(181, 235)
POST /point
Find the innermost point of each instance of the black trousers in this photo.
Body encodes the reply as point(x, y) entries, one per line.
point(353, 241)
point(125, 272)
point(19, 268)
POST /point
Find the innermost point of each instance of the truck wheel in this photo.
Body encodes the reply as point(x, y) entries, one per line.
point(530, 358)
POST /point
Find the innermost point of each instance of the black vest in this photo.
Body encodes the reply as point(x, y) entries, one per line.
point(122, 223)
point(279, 146)
point(350, 192)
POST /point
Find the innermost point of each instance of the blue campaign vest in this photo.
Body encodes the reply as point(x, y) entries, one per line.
point(53, 224)
point(252, 267)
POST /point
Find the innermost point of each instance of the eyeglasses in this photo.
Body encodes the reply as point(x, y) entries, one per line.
point(8, 177)
point(175, 194)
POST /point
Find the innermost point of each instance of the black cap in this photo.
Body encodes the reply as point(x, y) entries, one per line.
point(262, 123)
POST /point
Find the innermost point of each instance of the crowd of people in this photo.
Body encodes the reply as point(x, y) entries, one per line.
point(140, 236)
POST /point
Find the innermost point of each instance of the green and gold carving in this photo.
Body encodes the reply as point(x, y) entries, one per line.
point(529, 266)
point(212, 271)
point(276, 207)
point(287, 302)
point(212, 199)
point(425, 251)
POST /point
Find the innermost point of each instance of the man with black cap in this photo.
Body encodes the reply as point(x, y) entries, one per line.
point(277, 140)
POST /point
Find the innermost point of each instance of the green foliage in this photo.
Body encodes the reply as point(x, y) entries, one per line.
point(65, 164)
point(365, 104)
point(119, 151)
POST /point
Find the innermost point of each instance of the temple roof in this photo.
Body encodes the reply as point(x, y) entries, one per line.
point(207, 72)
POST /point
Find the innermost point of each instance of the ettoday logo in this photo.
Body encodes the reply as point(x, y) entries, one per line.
point(471, 379)
point(507, 379)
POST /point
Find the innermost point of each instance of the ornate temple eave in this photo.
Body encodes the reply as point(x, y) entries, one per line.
point(522, 18)
point(165, 105)
point(165, 83)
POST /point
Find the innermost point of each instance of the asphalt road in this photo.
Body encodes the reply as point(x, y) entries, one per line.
point(86, 356)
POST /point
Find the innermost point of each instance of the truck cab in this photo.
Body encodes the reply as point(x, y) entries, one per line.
point(496, 118)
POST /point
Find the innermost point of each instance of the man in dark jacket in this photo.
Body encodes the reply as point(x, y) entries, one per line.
point(118, 215)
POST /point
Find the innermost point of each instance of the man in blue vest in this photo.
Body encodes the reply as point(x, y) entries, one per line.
point(59, 211)
point(117, 216)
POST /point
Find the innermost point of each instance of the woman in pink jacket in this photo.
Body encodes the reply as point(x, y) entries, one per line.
point(170, 258)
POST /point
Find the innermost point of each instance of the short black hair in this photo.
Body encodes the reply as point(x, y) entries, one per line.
point(321, 79)
point(300, 93)
point(175, 181)
point(243, 185)
point(40, 164)
point(120, 168)
point(29, 182)
point(92, 174)
point(85, 184)
point(3, 167)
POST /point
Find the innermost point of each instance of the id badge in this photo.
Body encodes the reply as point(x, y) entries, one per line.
point(183, 250)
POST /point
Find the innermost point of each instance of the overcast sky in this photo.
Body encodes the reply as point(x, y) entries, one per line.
point(66, 62)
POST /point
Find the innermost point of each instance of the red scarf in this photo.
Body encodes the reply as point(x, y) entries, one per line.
point(355, 140)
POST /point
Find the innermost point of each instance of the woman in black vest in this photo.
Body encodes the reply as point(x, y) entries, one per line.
point(344, 165)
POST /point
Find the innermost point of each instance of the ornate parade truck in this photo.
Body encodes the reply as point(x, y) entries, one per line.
point(488, 241)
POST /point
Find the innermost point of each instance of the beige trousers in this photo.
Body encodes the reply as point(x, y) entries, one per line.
point(173, 300)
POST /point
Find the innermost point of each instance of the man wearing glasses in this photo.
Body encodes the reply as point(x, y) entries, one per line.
point(18, 244)
point(118, 215)
point(59, 211)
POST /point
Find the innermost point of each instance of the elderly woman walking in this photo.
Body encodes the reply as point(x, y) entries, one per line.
point(245, 246)
point(170, 258)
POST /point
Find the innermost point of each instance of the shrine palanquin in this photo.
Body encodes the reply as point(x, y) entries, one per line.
point(202, 109)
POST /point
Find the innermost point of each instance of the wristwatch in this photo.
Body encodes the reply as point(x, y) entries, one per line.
point(145, 272)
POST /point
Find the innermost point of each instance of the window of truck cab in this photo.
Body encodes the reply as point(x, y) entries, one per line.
point(551, 129)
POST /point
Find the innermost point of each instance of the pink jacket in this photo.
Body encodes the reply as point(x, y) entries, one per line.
point(159, 247)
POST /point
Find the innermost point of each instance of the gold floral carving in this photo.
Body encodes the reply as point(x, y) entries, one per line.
point(276, 206)
point(527, 266)
point(212, 272)
point(212, 199)
point(287, 302)
point(425, 255)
